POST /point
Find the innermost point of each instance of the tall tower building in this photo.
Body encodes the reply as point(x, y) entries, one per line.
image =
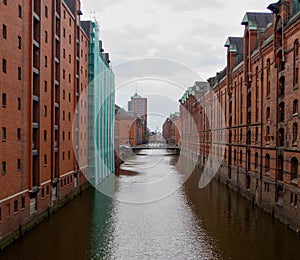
point(138, 105)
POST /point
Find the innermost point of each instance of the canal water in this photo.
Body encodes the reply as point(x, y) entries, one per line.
point(190, 223)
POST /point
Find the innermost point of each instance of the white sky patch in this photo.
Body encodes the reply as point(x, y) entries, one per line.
point(192, 32)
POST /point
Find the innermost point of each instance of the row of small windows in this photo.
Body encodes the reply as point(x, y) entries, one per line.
point(281, 110)
point(4, 35)
point(19, 8)
point(4, 134)
point(4, 101)
point(4, 69)
point(66, 181)
point(69, 155)
point(4, 166)
point(16, 208)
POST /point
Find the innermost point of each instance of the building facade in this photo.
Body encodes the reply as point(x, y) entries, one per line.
point(171, 129)
point(44, 70)
point(130, 128)
point(101, 107)
point(258, 92)
point(138, 105)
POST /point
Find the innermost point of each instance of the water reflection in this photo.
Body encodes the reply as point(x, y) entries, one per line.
point(189, 224)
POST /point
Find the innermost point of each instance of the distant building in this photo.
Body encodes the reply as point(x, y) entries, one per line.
point(130, 128)
point(138, 105)
point(171, 129)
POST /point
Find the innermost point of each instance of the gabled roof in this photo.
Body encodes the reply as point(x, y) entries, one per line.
point(257, 20)
point(236, 44)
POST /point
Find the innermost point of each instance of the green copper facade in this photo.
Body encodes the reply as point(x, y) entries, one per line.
point(101, 100)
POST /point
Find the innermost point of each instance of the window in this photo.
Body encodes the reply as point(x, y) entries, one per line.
point(3, 133)
point(20, 11)
point(69, 116)
point(45, 111)
point(256, 134)
point(69, 97)
point(64, 94)
point(268, 77)
point(19, 134)
point(64, 53)
point(63, 155)
point(4, 68)
point(19, 42)
point(281, 137)
point(280, 168)
point(3, 100)
point(267, 163)
point(46, 62)
point(19, 164)
point(281, 112)
point(256, 161)
point(43, 192)
point(295, 63)
point(69, 78)
point(63, 135)
point(19, 103)
point(63, 115)
point(295, 106)
point(69, 136)
point(248, 140)
point(69, 155)
point(23, 203)
point(46, 36)
point(70, 21)
point(268, 113)
point(295, 133)
point(45, 86)
point(4, 31)
point(45, 159)
point(45, 135)
point(3, 167)
point(64, 32)
point(70, 39)
point(46, 11)
point(16, 206)
point(64, 74)
point(5, 2)
point(19, 73)
point(70, 58)
point(47, 190)
point(294, 168)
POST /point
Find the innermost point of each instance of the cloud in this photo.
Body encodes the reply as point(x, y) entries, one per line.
point(191, 5)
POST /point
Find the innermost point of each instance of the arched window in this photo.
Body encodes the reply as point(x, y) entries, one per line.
point(280, 168)
point(267, 163)
point(281, 87)
point(281, 137)
point(295, 133)
point(294, 168)
point(295, 106)
point(281, 112)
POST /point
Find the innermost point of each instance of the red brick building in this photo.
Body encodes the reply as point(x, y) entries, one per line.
point(171, 129)
point(258, 92)
point(44, 70)
point(129, 128)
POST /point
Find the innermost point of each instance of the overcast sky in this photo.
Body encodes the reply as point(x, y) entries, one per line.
point(190, 32)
